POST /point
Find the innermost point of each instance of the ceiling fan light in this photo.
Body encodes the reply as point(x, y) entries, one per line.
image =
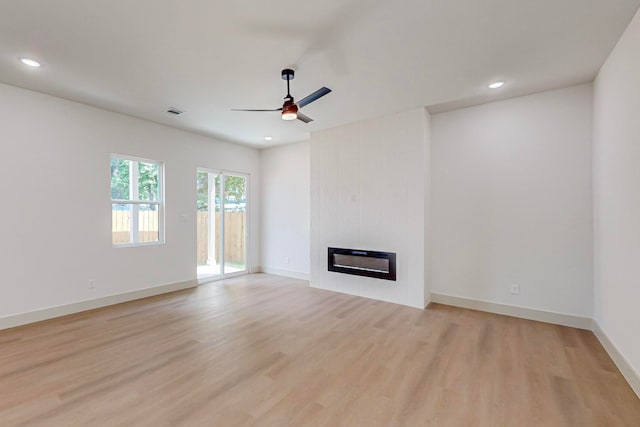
point(290, 112)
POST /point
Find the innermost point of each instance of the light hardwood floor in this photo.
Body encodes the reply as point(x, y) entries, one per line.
point(270, 351)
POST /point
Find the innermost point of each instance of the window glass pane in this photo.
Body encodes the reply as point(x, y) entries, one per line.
point(147, 181)
point(235, 193)
point(120, 179)
point(121, 223)
point(202, 190)
point(208, 224)
point(148, 223)
point(235, 206)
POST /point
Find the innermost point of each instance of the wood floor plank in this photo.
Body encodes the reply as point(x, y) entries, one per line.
point(263, 350)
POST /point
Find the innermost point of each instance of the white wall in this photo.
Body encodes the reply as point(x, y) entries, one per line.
point(511, 201)
point(617, 196)
point(55, 221)
point(368, 192)
point(285, 210)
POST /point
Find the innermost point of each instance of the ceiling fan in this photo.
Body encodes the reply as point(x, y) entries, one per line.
point(291, 109)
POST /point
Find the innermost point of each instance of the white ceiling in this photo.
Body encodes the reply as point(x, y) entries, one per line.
point(379, 57)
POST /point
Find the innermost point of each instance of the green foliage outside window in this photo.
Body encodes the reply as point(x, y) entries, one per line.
point(147, 180)
point(120, 179)
point(235, 190)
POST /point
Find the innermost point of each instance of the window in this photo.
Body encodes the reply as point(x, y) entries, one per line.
point(136, 201)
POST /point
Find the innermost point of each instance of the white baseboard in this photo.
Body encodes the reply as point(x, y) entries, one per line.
point(286, 273)
point(77, 307)
point(630, 374)
point(514, 311)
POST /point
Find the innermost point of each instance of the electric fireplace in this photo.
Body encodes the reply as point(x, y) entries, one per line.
point(381, 265)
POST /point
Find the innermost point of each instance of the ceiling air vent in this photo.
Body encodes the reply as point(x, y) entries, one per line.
point(174, 111)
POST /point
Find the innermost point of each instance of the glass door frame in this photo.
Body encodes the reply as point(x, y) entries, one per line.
point(223, 175)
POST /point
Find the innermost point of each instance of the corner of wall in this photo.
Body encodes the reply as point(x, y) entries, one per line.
point(625, 367)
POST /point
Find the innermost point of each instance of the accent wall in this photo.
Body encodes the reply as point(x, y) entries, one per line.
point(368, 191)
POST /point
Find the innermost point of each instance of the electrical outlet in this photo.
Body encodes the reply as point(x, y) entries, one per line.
point(92, 284)
point(184, 218)
point(515, 289)
point(286, 260)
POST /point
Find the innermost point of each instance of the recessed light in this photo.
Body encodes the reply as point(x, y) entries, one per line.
point(30, 62)
point(268, 138)
point(496, 85)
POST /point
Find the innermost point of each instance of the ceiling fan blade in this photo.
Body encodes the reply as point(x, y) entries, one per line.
point(240, 109)
point(314, 96)
point(304, 118)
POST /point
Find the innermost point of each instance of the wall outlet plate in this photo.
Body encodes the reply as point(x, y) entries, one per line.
point(515, 289)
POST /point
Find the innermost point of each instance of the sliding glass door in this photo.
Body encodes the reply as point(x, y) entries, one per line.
point(221, 224)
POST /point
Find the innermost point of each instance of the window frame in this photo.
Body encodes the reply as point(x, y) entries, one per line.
point(134, 189)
